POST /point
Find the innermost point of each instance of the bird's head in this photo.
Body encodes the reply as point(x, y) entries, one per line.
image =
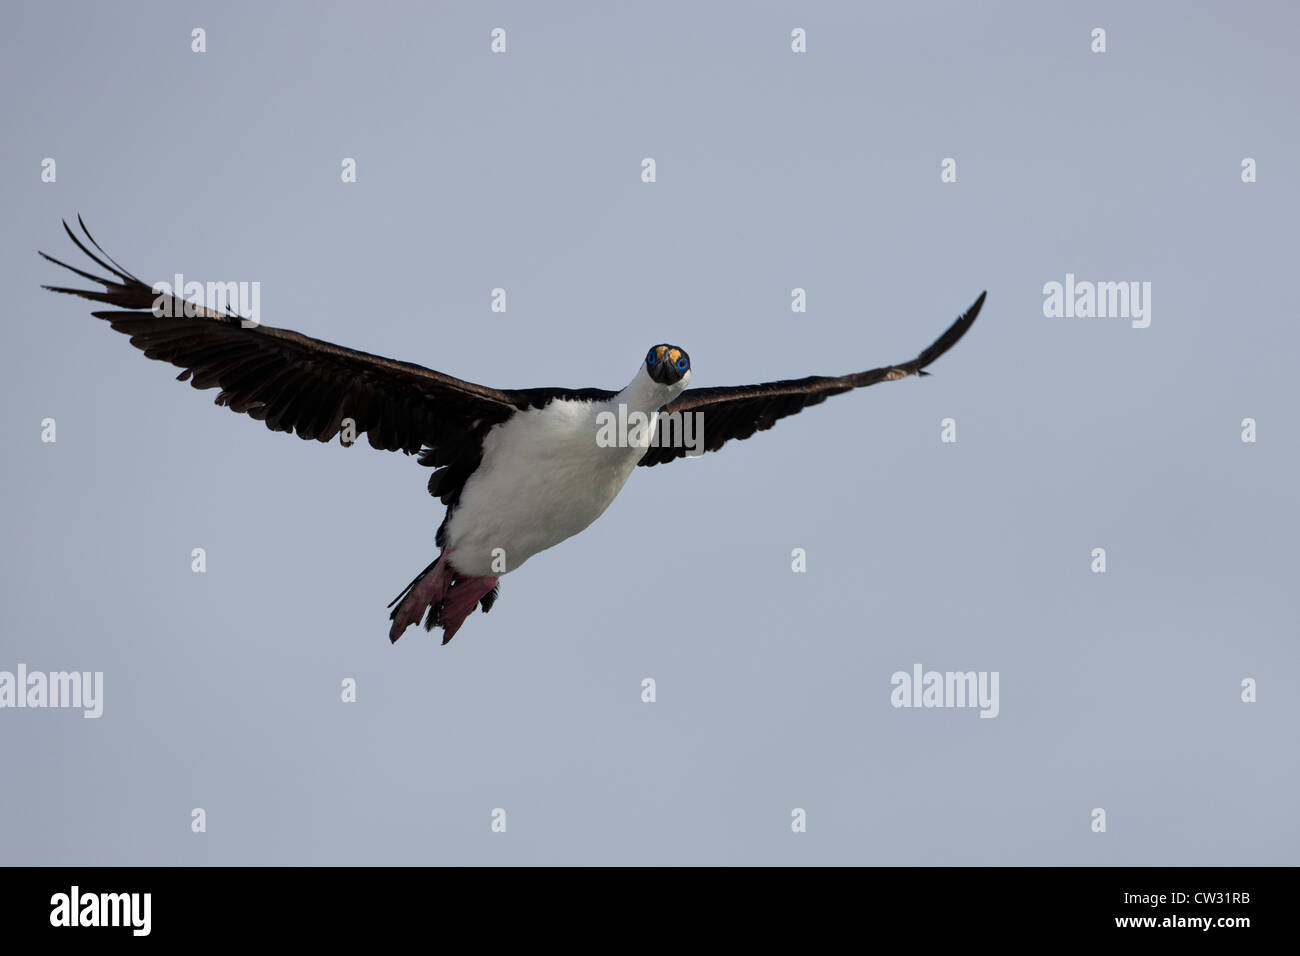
point(668, 365)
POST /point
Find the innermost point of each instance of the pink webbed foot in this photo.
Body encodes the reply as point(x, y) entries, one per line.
point(463, 596)
point(426, 592)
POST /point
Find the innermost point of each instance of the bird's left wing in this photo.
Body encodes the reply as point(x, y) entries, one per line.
point(739, 411)
point(295, 383)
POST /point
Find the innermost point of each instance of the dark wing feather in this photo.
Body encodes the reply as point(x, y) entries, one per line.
point(737, 412)
point(293, 382)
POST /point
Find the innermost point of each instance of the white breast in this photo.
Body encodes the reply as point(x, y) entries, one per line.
point(543, 478)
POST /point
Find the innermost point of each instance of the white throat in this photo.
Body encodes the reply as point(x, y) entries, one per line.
point(644, 394)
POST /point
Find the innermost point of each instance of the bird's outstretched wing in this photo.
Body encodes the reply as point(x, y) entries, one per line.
point(293, 382)
point(739, 411)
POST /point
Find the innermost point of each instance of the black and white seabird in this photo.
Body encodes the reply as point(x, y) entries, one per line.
point(519, 470)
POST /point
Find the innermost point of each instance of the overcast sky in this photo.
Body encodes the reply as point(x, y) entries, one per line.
point(774, 171)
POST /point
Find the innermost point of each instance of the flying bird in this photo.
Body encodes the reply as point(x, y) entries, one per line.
point(519, 470)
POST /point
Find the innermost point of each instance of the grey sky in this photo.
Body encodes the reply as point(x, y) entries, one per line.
point(775, 170)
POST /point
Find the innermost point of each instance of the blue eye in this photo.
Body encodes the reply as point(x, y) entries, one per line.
point(650, 359)
point(682, 364)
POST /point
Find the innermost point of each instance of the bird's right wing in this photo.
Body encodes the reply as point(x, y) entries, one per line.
point(293, 382)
